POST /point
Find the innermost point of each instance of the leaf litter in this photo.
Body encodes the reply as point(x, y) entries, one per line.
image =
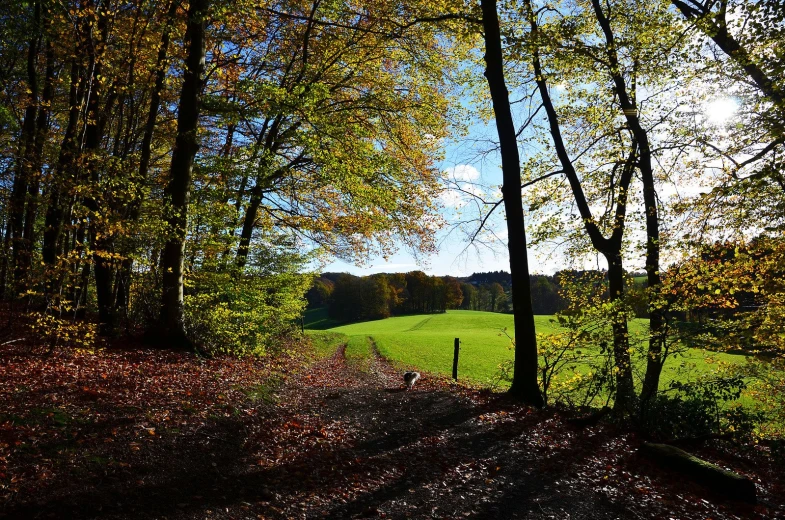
point(130, 432)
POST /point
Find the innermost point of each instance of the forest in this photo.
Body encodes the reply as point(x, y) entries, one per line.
point(176, 175)
point(351, 298)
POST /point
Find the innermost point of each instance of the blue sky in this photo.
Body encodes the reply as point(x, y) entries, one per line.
point(471, 164)
point(467, 164)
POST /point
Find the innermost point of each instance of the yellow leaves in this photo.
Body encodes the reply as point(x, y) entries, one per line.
point(56, 331)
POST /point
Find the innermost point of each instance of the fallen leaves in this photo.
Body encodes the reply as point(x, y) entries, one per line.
point(328, 441)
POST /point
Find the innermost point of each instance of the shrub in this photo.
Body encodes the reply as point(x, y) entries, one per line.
point(701, 408)
point(242, 314)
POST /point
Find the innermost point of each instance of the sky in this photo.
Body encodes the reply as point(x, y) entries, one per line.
point(468, 164)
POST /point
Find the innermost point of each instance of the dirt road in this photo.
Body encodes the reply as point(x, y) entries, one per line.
point(344, 439)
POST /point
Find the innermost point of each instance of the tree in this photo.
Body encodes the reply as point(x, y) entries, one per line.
point(763, 67)
point(610, 247)
point(524, 383)
point(343, 149)
point(134, 211)
point(454, 294)
point(545, 295)
point(469, 301)
point(733, 295)
point(498, 298)
point(26, 179)
point(320, 293)
point(179, 184)
point(140, 173)
point(739, 51)
point(627, 102)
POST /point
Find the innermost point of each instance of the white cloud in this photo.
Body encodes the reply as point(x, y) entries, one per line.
point(471, 189)
point(458, 197)
point(462, 172)
point(451, 198)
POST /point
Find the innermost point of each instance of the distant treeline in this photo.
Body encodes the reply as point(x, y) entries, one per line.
point(352, 298)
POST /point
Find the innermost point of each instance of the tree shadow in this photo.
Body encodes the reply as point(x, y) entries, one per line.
point(413, 455)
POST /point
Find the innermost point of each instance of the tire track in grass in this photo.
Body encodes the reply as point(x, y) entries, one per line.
point(419, 324)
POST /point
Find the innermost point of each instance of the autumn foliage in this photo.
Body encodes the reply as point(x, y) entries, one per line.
point(170, 166)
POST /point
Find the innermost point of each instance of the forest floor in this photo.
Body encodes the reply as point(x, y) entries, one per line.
point(128, 432)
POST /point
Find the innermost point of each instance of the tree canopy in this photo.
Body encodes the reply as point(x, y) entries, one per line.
point(180, 169)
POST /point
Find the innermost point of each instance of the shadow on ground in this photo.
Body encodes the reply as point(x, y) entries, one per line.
point(364, 449)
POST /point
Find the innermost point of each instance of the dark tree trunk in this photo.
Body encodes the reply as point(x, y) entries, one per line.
point(41, 130)
point(609, 247)
point(625, 390)
point(155, 95)
point(178, 188)
point(100, 241)
point(721, 481)
point(656, 318)
point(123, 288)
point(81, 270)
point(226, 155)
point(63, 175)
point(256, 194)
point(657, 324)
point(25, 163)
point(248, 224)
point(4, 260)
point(126, 267)
point(524, 383)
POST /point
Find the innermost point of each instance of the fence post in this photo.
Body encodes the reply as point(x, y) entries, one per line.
point(455, 359)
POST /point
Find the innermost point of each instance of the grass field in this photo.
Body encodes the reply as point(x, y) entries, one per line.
point(426, 342)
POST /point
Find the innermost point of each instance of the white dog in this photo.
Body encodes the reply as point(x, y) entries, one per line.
point(410, 378)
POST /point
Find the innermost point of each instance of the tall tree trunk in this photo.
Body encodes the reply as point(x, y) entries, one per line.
point(63, 174)
point(25, 162)
point(257, 192)
point(36, 171)
point(524, 383)
point(100, 240)
point(155, 95)
point(248, 224)
point(124, 277)
point(609, 247)
point(657, 324)
point(178, 188)
point(629, 108)
point(5, 260)
point(81, 270)
point(625, 390)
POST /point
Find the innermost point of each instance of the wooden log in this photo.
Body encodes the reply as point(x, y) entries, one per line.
point(727, 483)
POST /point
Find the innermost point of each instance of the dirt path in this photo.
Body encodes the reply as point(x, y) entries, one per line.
point(381, 451)
point(342, 439)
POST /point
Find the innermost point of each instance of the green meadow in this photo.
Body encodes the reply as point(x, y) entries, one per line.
point(426, 342)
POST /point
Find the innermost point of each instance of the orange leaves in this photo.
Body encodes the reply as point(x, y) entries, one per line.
point(293, 424)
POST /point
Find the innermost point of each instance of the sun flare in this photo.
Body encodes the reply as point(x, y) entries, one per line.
point(719, 111)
